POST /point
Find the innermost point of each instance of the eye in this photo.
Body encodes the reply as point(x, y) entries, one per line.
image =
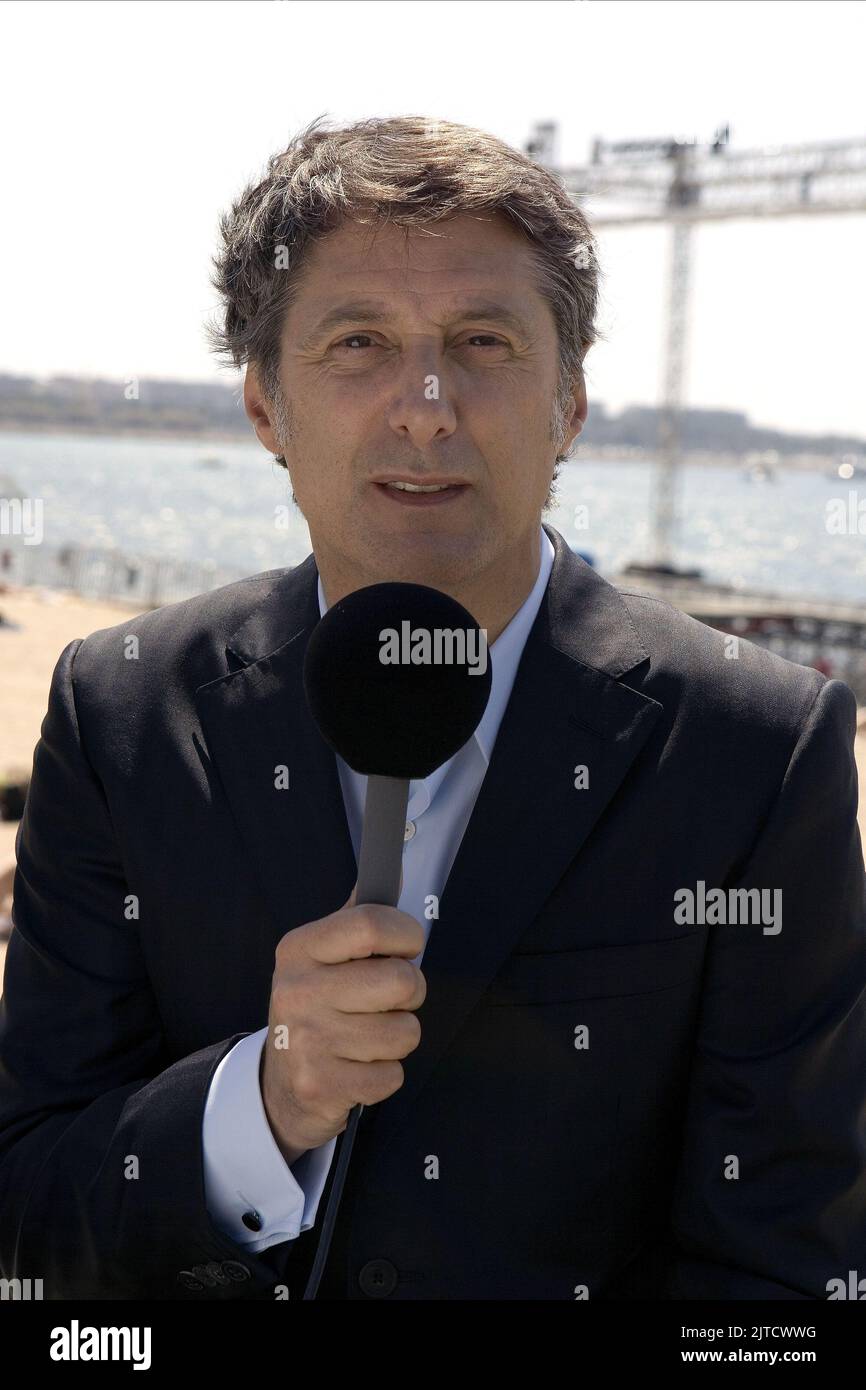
point(356, 337)
point(353, 337)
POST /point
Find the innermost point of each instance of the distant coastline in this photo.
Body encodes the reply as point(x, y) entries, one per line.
point(211, 412)
point(186, 432)
point(612, 453)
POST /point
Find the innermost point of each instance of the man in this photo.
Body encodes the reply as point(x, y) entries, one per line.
point(612, 1041)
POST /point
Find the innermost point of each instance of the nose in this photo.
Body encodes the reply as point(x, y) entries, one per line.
point(422, 406)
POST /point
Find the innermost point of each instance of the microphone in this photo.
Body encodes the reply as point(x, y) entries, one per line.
point(392, 710)
point(397, 678)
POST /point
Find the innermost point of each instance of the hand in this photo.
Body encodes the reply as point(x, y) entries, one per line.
point(345, 988)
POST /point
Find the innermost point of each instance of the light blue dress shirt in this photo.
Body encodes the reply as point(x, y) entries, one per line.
point(243, 1168)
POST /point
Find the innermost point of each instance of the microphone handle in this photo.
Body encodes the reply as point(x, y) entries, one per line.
point(379, 867)
point(382, 838)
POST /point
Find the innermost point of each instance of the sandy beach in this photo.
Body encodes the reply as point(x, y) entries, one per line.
point(41, 623)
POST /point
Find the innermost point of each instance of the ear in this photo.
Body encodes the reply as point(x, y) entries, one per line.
point(579, 414)
point(258, 411)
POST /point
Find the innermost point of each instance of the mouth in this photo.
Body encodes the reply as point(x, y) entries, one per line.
point(430, 494)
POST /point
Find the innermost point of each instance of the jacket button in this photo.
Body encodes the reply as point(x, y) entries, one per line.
point(236, 1271)
point(378, 1278)
point(210, 1274)
point(189, 1281)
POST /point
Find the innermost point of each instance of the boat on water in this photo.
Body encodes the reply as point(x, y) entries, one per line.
point(758, 473)
point(848, 470)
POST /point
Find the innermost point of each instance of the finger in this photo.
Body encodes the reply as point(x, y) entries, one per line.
point(356, 933)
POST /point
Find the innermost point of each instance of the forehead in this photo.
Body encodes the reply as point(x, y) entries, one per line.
point(455, 256)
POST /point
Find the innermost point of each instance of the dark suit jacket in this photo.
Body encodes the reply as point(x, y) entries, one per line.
point(607, 1168)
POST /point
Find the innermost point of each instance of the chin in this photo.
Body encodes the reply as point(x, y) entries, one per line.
point(444, 568)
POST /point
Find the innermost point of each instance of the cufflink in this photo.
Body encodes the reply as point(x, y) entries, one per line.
point(252, 1220)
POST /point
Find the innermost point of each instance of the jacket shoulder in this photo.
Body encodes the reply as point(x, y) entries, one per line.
point(718, 677)
point(178, 643)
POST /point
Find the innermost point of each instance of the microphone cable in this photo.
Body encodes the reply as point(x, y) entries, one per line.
point(333, 1206)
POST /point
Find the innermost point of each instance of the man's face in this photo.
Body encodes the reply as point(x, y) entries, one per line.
point(437, 387)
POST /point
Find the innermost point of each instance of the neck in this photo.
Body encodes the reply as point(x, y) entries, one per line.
point(492, 597)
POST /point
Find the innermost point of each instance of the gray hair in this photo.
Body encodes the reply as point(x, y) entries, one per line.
point(411, 171)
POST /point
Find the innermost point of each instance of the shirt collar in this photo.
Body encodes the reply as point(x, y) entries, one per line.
point(506, 651)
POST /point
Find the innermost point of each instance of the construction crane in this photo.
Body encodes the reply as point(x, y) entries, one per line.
point(681, 183)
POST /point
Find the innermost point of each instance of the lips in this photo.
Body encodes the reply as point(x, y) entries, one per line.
point(412, 497)
point(415, 483)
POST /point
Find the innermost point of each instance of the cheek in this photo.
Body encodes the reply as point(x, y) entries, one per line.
point(515, 420)
point(330, 491)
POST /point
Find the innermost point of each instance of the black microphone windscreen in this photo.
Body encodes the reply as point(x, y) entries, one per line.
point(397, 678)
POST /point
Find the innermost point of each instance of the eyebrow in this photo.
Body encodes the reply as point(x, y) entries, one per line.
point(369, 311)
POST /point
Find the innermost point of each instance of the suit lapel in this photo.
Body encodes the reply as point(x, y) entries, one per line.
point(568, 707)
point(256, 720)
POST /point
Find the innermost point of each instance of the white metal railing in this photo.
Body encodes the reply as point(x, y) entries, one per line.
point(146, 580)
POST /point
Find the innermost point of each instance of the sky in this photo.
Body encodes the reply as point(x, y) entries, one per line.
point(129, 127)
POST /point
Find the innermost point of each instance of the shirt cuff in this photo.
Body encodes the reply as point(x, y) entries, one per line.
point(244, 1170)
